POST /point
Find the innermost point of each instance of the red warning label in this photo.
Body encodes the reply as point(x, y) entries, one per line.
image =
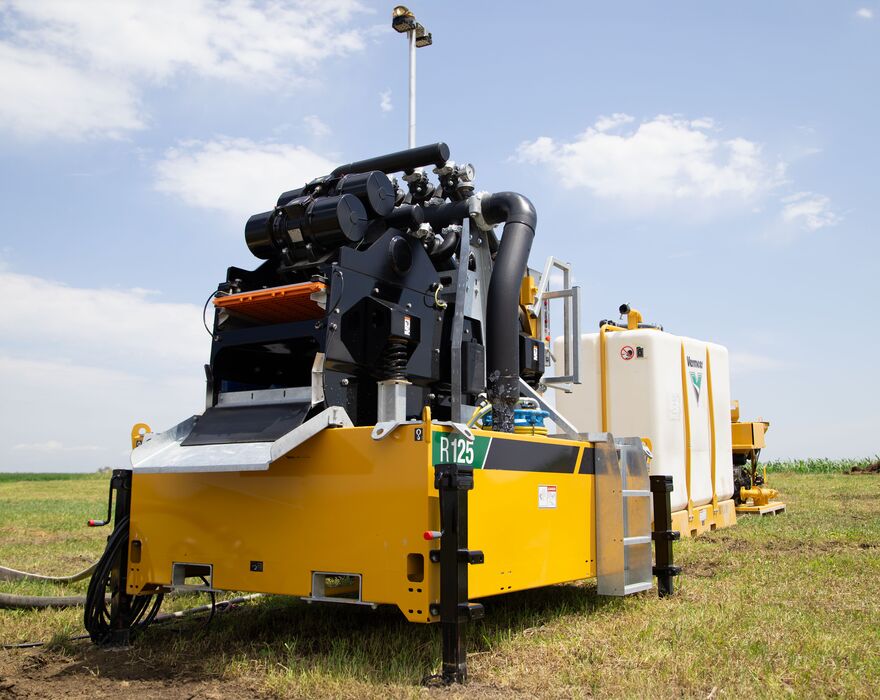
point(627, 352)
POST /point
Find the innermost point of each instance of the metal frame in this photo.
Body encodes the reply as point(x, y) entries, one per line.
point(571, 296)
point(561, 421)
point(461, 290)
point(319, 590)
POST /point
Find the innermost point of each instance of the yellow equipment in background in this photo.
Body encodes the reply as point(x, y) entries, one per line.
point(752, 496)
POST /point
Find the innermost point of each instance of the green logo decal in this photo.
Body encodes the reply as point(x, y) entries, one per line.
point(452, 447)
point(697, 381)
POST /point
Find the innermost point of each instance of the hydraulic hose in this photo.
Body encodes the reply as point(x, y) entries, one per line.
point(7, 574)
point(502, 303)
point(446, 248)
point(97, 615)
point(14, 602)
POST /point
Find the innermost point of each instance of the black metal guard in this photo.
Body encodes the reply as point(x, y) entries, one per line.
point(453, 481)
point(663, 535)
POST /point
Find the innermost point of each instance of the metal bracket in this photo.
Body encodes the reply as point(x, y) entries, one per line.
point(332, 417)
point(460, 428)
point(385, 428)
point(475, 211)
point(560, 420)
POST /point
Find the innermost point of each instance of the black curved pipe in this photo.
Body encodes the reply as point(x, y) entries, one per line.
point(406, 217)
point(443, 215)
point(502, 302)
point(445, 249)
point(408, 160)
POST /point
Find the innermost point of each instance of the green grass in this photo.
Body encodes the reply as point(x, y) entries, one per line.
point(6, 477)
point(820, 466)
point(783, 606)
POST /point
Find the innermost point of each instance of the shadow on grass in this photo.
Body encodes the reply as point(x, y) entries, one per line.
point(284, 637)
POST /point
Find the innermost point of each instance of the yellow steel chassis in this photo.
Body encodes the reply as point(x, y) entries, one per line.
point(343, 502)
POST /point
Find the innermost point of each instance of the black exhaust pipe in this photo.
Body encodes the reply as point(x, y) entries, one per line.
point(502, 303)
point(406, 161)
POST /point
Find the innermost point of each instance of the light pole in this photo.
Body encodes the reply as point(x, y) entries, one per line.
point(404, 21)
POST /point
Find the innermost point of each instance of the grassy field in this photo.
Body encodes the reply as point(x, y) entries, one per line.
point(775, 607)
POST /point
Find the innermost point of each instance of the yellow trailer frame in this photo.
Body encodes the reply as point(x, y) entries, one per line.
point(346, 517)
point(343, 504)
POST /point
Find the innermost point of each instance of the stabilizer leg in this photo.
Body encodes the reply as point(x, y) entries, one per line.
point(453, 482)
point(663, 535)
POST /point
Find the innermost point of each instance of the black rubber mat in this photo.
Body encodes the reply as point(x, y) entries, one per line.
point(220, 426)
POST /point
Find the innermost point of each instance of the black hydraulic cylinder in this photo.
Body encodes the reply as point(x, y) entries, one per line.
point(663, 535)
point(408, 160)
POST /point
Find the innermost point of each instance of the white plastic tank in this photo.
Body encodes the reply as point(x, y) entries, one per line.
point(673, 390)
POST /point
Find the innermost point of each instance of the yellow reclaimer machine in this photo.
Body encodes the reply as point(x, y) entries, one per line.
point(374, 430)
point(752, 494)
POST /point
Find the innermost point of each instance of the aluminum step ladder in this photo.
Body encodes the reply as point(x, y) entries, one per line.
point(623, 516)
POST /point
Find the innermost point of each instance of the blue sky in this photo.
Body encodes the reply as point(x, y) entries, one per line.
point(713, 164)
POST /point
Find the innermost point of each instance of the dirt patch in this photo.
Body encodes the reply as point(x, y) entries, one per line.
point(873, 468)
point(731, 544)
point(96, 673)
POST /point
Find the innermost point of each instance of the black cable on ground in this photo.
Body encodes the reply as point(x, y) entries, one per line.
point(213, 603)
point(222, 606)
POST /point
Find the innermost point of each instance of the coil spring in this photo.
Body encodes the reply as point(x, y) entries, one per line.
point(394, 360)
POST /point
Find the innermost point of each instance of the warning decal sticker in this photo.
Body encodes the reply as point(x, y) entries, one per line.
point(546, 496)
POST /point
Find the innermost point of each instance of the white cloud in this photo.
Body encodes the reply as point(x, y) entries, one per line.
point(658, 162)
point(385, 103)
point(43, 95)
point(53, 446)
point(236, 176)
point(106, 327)
point(612, 122)
point(100, 54)
point(865, 13)
point(79, 366)
point(317, 127)
point(809, 211)
point(79, 406)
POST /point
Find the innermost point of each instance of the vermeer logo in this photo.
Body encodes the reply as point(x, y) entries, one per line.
point(697, 381)
point(696, 376)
